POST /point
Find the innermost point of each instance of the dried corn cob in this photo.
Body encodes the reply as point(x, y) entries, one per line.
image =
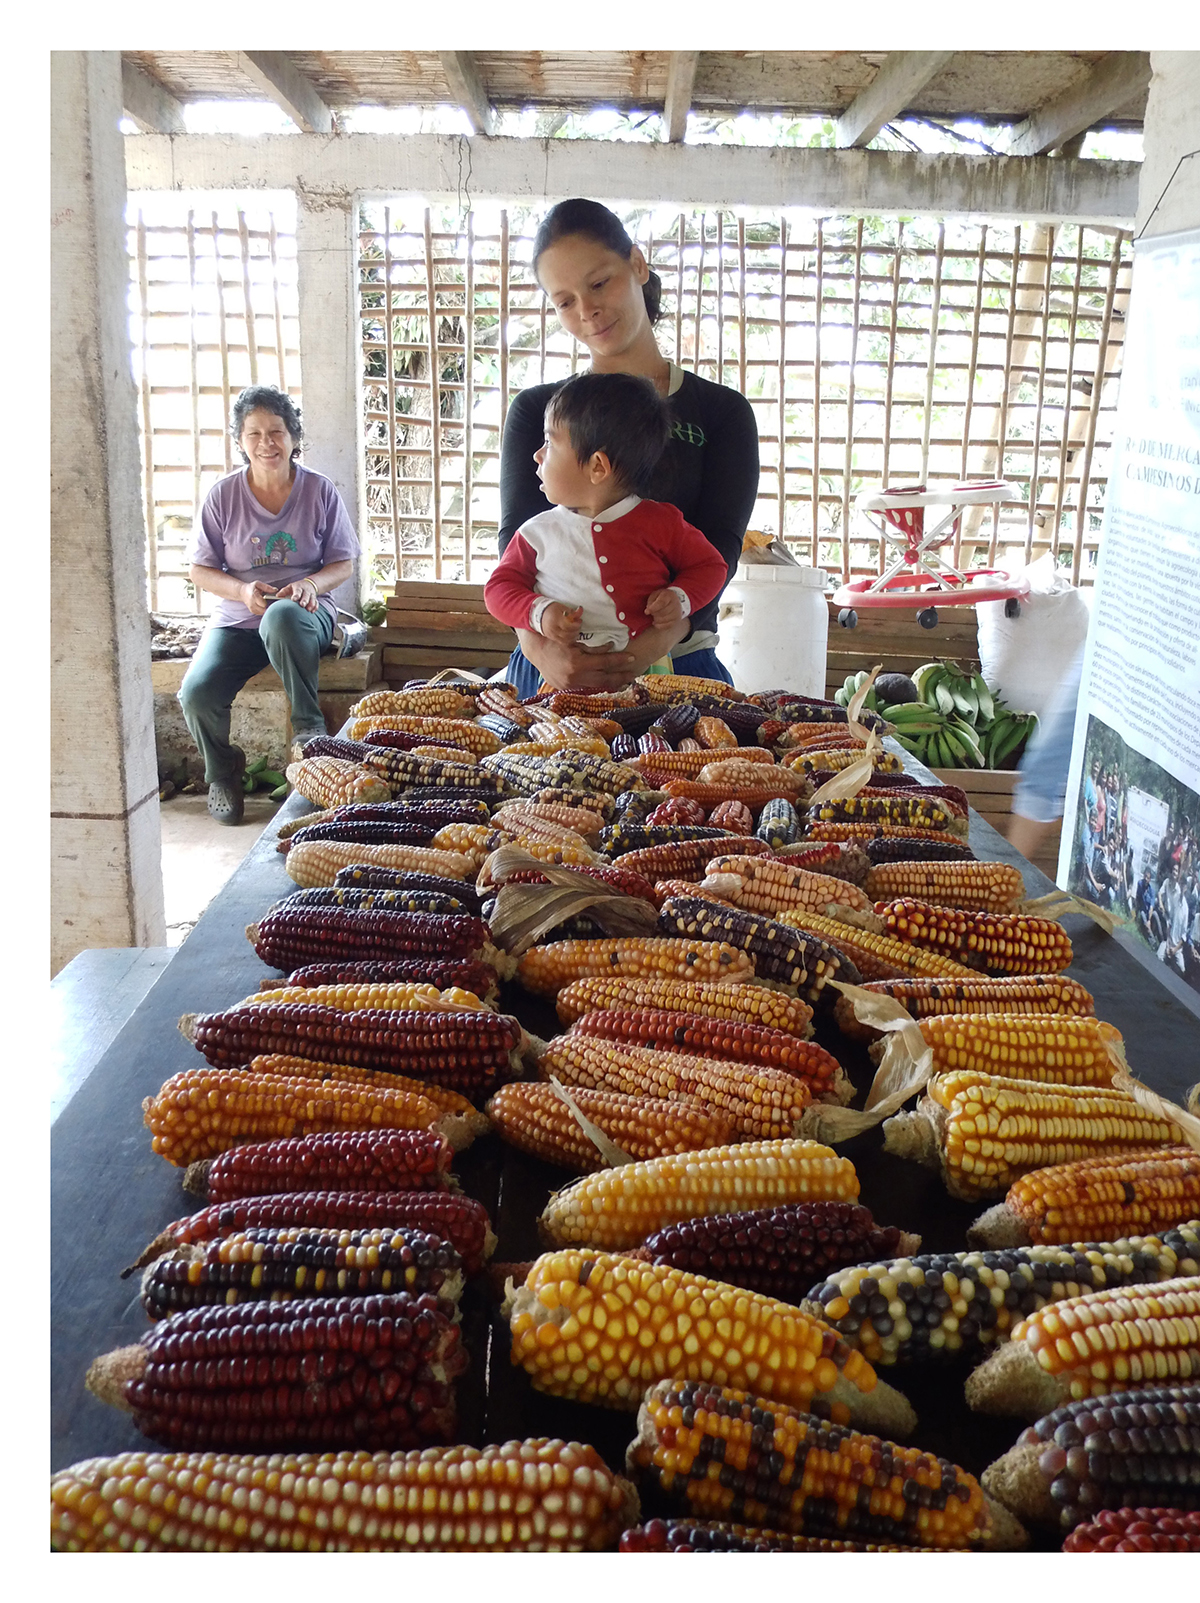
point(288, 937)
point(550, 817)
point(410, 776)
point(756, 796)
point(866, 833)
point(593, 703)
point(612, 875)
point(713, 733)
point(739, 770)
point(677, 722)
point(457, 731)
point(750, 1004)
point(427, 703)
point(570, 770)
point(775, 885)
point(445, 1100)
point(284, 1263)
point(202, 1112)
point(1000, 943)
point(652, 742)
point(599, 1329)
point(623, 748)
point(789, 957)
point(677, 811)
point(329, 782)
point(447, 754)
point(676, 687)
point(370, 1372)
point(727, 1536)
point(618, 839)
point(878, 957)
point(977, 887)
point(504, 729)
point(546, 969)
point(319, 863)
point(594, 801)
point(394, 739)
point(734, 816)
point(370, 832)
point(535, 1119)
point(778, 824)
point(635, 720)
point(840, 860)
point(913, 1309)
point(1116, 1340)
point(464, 974)
point(924, 998)
point(823, 760)
point(1105, 1196)
point(349, 995)
point(1052, 1048)
point(382, 901)
point(893, 848)
point(1133, 1530)
point(449, 1215)
point(742, 1456)
point(468, 1052)
point(665, 888)
point(762, 1103)
point(724, 1039)
point(687, 764)
point(374, 1160)
point(900, 809)
point(364, 876)
point(984, 1131)
point(1120, 1450)
point(685, 859)
point(779, 1251)
point(494, 699)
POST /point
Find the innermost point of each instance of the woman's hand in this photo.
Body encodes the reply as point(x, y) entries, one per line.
point(255, 595)
point(302, 591)
point(599, 667)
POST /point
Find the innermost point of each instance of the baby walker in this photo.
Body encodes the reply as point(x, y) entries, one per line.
point(919, 575)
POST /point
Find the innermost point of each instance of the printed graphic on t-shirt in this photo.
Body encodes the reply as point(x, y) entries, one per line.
point(689, 433)
point(276, 550)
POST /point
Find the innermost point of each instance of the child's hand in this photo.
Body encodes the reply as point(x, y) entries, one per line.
point(560, 623)
point(664, 607)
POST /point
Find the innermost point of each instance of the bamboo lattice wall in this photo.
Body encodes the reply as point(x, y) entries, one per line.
point(213, 307)
point(908, 350)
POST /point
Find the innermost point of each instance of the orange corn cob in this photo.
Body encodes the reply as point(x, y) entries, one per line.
point(546, 969)
point(772, 885)
point(736, 772)
point(279, 1065)
point(1056, 1049)
point(676, 687)
point(683, 859)
point(686, 764)
point(879, 957)
point(713, 733)
point(533, 1118)
point(1000, 943)
point(754, 796)
point(749, 1004)
point(1095, 1199)
point(975, 886)
point(923, 998)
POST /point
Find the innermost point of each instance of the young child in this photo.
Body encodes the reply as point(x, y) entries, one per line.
point(602, 565)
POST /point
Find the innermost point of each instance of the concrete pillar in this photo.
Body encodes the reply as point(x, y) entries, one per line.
point(330, 356)
point(106, 880)
point(1169, 200)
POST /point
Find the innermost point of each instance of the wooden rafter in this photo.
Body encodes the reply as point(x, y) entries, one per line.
point(1115, 80)
point(291, 91)
point(467, 90)
point(895, 86)
point(144, 100)
point(681, 75)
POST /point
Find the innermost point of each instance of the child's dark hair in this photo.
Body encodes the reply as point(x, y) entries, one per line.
point(594, 221)
point(620, 414)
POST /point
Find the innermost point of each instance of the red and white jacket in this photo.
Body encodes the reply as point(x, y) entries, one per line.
point(607, 564)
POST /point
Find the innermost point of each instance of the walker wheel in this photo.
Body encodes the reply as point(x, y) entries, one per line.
point(1012, 608)
point(848, 618)
point(928, 618)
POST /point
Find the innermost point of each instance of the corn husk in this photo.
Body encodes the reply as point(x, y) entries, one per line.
point(524, 913)
point(904, 1069)
point(1057, 903)
point(1123, 1080)
point(608, 1149)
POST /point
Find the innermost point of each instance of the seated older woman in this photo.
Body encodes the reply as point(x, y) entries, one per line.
point(272, 542)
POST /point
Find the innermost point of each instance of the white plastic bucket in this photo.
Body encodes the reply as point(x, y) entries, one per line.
point(774, 627)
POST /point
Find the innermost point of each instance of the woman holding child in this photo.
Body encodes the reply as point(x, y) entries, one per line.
point(605, 294)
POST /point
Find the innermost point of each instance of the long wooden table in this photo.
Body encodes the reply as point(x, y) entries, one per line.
point(111, 1195)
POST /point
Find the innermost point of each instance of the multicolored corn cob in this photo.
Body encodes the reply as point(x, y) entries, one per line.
point(998, 943)
point(799, 962)
point(878, 957)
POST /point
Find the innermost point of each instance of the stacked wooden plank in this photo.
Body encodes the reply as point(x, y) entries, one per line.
point(433, 625)
point(893, 637)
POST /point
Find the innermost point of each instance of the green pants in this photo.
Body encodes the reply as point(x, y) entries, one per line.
point(289, 639)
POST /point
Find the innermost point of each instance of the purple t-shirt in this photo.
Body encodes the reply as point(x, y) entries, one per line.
point(236, 533)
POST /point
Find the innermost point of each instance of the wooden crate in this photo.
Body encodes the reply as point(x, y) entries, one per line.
point(990, 793)
point(434, 625)
point(895, 639)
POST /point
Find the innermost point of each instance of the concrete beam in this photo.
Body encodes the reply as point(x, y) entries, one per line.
point(1114, 79)
point(466, 86)
point(894, 87)
point(147, 103)
point(842, 181)
point(681, 75)
point(291, 91)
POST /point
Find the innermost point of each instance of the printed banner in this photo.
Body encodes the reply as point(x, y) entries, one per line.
point(1130, 832)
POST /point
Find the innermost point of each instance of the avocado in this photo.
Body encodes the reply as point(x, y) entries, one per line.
point(895, 689)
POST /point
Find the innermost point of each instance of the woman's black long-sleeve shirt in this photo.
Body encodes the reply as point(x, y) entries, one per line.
point(709, 469)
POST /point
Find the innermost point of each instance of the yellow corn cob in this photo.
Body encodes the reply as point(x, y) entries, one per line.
point(316, 862)
point(537, 1495)
point(600, 1329)
point(425, 703)
point(676, 687)
point(924, 998)
point(453, 731)
point(748, 1004)
point(567, 734)
point(535, 1119)
point(1055, 1049)
point(1000, 943)
point(879, 957)
point(620, 1207)
point(446, 754)
point(772, 885)
point(1093, 1199)
point(350, 997)
point(986, 1130)
point(1119, 1339)
point(546, 969)
point(762, 1103)
point(472, 840)
point(330, 782)
point(975, 886)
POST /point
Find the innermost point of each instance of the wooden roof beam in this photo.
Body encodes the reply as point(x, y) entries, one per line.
point(1114, 80)
point(681, 76)
point(144, 101)
point(291, 91)
point(466, 87)
point(892, 90)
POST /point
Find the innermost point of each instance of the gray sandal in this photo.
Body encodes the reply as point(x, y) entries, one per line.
point(226, 798)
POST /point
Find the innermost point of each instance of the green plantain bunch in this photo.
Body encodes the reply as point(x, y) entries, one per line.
point(956, 722)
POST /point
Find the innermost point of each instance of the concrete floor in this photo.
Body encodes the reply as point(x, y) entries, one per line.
point(199, 855)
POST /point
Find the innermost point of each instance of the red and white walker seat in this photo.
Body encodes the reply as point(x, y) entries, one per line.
point(918, 575)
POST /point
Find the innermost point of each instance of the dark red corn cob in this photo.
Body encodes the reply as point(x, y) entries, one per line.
point(283, 1264)
point(285, 939)
point(465, 973)
point(679, 810)
point(652, 741)
point(1138, 1530)
point(368, 1373)
point(396, 739)
point(769, 731)
point(352, 1160)
point(788, 956)
point(470, 810)
point(458, 1219)
point(839, 859)
point(468, 1052)
point(687, 859)
point(727, 1040)
point(734, 816)
point(353, 751)
point(903, 849)
point(780, 1252)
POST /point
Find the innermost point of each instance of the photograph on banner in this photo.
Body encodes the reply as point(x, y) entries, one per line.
point(1137, 849)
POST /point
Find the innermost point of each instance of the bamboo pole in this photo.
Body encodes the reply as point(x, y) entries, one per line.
point(818, 311)
point(782, 378)
point(889, 381)
point(697, 338)
point(390, 370)
point(502, 340)
point(970, 397)
point(1066, 447)
point(223, 342)
point(848, 456)
point(1007, 390)
point(280, 353)
point(192, 374)
point(251, 331)
point(720, 297)
point(468, 482)
point(1035, 476)
point(679, 247)
point(934, 326)
point(435, 401)
point(741, 234)
point(147, 423)
point(1094, 407)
